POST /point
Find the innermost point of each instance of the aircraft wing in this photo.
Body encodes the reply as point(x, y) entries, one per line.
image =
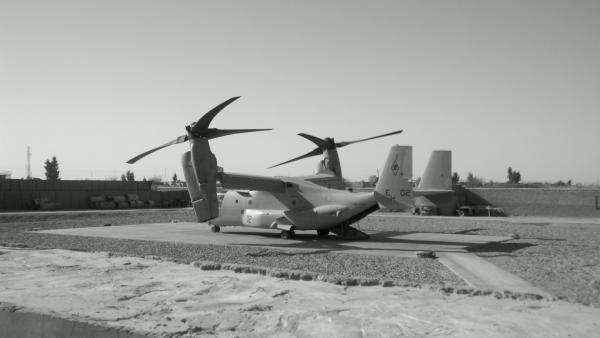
point(430, 192)
point(325, 179)
point(323, 175)
point(251, 182)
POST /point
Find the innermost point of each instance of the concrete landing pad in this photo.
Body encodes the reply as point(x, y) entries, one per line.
point(380, 243)
point(451, 248)
point(481, 274)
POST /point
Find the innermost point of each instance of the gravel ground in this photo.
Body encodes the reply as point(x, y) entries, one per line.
point(561, 257)
point(404, 271)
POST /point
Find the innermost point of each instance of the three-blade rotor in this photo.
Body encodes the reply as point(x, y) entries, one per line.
point(328, 143)
point(200, 129)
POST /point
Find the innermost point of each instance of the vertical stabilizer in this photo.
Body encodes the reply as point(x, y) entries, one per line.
point(330, 164)
point(394, 188)
point(437, 177)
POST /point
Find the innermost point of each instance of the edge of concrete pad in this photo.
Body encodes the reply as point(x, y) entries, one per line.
point(481, 274)
point(298, 275)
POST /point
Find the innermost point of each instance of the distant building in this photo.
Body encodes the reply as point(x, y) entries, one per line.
point(5, 174)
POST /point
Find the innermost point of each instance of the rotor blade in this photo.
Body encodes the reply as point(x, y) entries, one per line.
point(343, 144)
point(319, 142)
point(180, 139)
point(214, 133)
point(315, 152)
point(205, 120)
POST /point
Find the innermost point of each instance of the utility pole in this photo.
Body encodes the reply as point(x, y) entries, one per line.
point(28, 167)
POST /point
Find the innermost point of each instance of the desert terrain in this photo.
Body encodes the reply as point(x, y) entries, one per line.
point(424, 297)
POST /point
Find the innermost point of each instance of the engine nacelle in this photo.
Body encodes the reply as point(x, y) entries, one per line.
point(200, 171)
point(190, 178)
point(330, 209)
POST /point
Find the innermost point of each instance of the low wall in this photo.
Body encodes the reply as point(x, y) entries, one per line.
point(538, 202)
point(74, 195)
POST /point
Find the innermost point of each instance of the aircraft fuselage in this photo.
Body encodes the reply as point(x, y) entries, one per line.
point(303, 205)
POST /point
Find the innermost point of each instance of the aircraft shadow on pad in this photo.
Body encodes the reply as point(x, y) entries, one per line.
point(333, 243)
point(499, 247)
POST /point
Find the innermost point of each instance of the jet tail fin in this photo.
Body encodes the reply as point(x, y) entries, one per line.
point(437, 178)
point(394, 188)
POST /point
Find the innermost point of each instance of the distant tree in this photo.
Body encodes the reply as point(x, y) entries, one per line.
point(52, 172)
point(513, 176)
point(373, 180)
point(112, 178)
point(455, 178)
point(517, 177)
point(473, 181)
point(174, 179)
point(560, 183)
point(129, 176)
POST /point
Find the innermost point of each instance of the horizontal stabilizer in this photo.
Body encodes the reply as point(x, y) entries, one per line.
point(431, 192)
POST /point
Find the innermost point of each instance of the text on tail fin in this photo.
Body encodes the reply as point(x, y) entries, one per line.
point(394, 188)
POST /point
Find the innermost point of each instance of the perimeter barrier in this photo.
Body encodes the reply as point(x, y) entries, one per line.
point(24, 194)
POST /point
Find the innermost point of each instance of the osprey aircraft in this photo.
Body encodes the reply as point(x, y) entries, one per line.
point(286, 204)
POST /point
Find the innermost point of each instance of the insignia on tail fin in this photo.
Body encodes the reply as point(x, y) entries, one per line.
point(394, 188)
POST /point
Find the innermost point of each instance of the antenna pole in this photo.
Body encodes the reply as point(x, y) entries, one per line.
point(28, 167)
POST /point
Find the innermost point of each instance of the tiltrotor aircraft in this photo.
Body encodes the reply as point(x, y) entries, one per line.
point(284, 203)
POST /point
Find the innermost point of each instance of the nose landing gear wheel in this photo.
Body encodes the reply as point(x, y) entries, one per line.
point(285, 234)
point(215, 228)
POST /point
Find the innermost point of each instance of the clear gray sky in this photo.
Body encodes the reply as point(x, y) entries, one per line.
point(500, 83)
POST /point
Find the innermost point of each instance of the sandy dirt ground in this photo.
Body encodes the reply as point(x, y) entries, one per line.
point(556, 254)
point(172, 300)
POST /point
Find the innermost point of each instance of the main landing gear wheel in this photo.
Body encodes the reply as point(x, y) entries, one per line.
point(215, 228)
point(285, 234)
point(323, 232)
